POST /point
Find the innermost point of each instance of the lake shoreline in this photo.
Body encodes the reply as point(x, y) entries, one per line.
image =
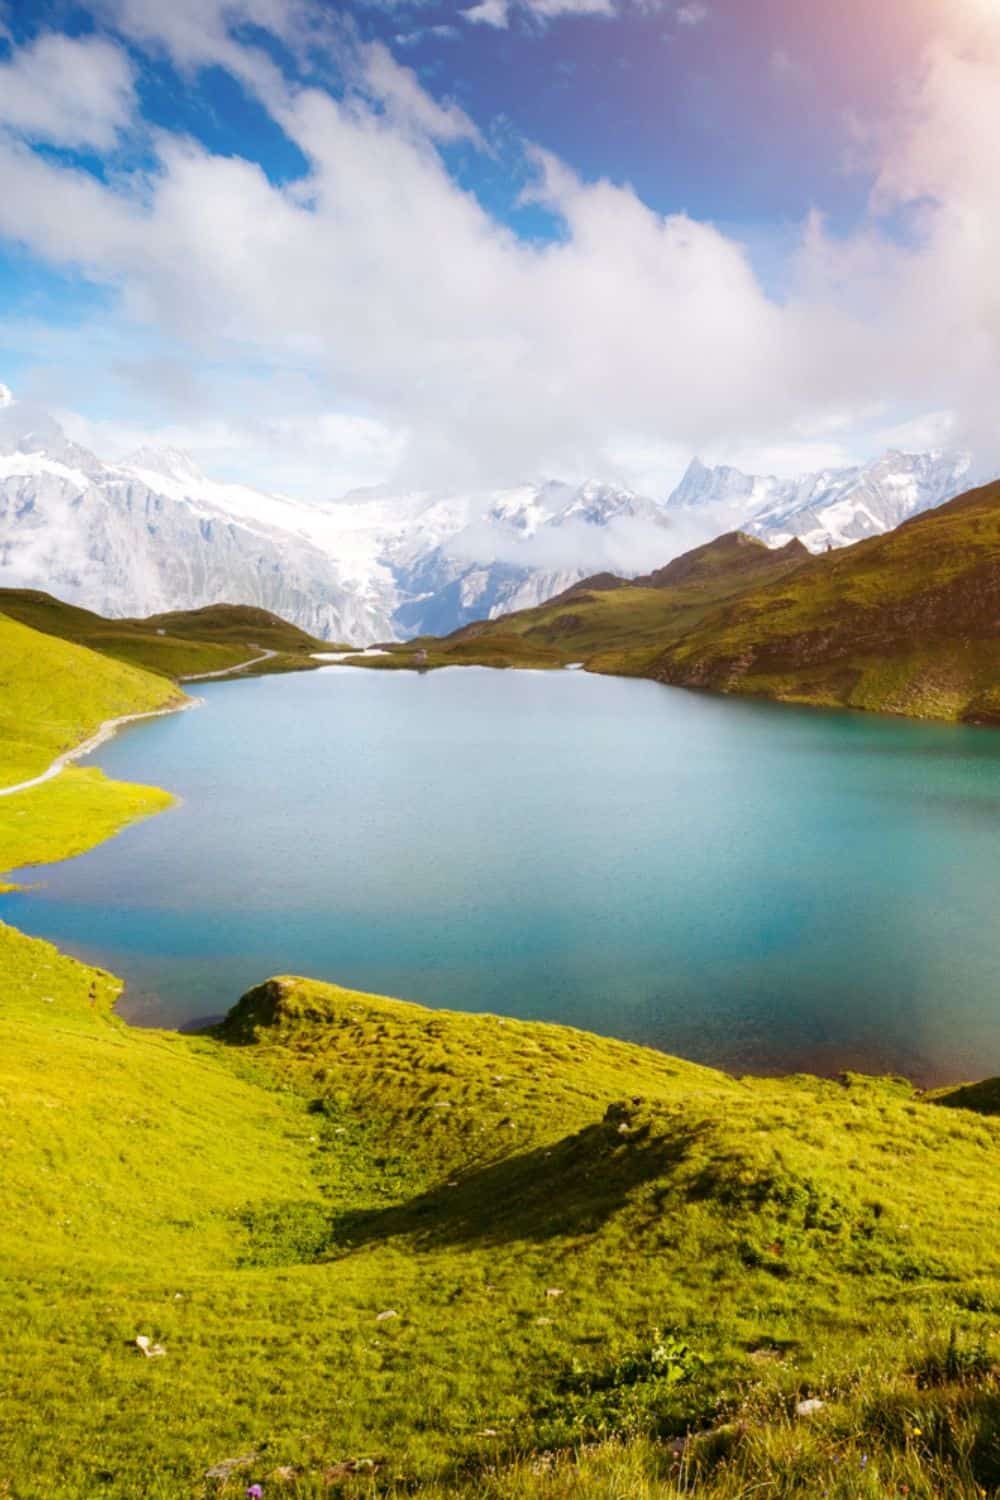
point(107, 731)
point(582, 991)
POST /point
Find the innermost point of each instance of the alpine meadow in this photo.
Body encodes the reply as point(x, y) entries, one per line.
point(499, 750)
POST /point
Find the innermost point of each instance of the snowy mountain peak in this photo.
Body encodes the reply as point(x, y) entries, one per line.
point(832, 507)
point(703, 485)
point(171, 463)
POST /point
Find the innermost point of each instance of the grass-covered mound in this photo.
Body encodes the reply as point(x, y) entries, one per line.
point(393, 1250)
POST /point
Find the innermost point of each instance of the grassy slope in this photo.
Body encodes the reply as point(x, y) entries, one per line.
point(907, 622)
point(904, 623)
point(255, 1199)
point(54, 694)
point(69, 815)
point(609, 626)
point(177, 644)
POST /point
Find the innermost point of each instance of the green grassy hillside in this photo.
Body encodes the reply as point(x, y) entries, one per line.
point(908, 622)
point(390, 1250)
point(609, 623)
point(53, 694)
point(180, 644)
point(904, 623)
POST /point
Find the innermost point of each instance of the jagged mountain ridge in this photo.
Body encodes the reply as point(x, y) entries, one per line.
point(154, 533)
point(829, 508)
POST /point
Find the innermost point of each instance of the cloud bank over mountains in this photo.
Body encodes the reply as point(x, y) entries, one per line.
point(369, 320)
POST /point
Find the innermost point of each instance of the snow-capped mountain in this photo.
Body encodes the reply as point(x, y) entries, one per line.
point(831, 508)
point(130, 540)
point(154, 533)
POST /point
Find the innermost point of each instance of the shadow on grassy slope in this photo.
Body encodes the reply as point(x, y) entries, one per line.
point(983, 1098)
point(570, 1188)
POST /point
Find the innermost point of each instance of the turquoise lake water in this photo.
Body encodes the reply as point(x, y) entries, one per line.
point(753, 886)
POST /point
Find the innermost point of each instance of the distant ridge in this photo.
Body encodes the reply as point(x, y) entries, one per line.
point(185, 643)
point(749, 555)
point(905, 623)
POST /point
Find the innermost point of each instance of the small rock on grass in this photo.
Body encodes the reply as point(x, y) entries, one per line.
point(230, 1466)
point(351, 1466)
point(145, 1346)
point(390, 1312)
point(807, 1407)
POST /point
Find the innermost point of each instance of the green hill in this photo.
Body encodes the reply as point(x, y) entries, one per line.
point(388, 1250)
point(611, 624)
point(185, 643)
point(905, 623)
point(908, 622)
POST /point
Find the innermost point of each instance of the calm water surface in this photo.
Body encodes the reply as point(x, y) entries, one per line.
point(753, 886)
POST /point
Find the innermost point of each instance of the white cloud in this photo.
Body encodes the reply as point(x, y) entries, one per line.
point(377, 286)
point(409, 105)
point(498, 13)
point(443, 33)
point(199, 32)
point(488, 13)
point(281, 453)
point(694, 13)
point(66, 91)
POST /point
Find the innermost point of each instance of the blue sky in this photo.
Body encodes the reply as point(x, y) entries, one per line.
point(440, 245)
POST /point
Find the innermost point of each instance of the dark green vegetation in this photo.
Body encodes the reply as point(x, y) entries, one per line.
point(904, 623)
point(184, 644)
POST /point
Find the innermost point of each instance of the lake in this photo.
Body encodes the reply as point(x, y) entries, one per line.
point(758, 887)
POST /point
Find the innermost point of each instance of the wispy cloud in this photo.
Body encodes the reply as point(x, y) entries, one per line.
point(500, 13)
point(488, 13)
point(442, 33)
point(694, 13)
